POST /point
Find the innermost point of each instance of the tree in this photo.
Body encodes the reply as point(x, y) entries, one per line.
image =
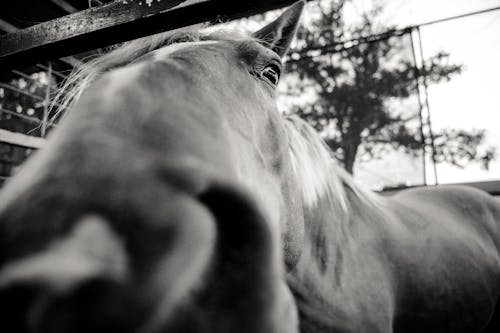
point(353, 90)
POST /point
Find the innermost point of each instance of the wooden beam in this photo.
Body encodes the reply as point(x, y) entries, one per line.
point(10, 28)
point(117, 22)
point(22, 140)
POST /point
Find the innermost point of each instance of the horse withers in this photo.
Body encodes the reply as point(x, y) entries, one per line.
point(174, 197)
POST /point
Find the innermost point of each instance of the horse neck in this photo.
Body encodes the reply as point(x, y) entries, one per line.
point(330, 252)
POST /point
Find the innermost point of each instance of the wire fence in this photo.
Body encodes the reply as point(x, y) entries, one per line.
point(451, 151)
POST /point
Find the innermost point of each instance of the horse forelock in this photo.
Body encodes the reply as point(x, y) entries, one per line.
point(128, 53)
point(316, 171)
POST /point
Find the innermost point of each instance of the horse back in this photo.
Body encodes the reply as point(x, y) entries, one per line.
point(445, 258)
point(456, 206)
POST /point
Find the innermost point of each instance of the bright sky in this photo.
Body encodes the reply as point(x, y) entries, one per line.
point(471, 100)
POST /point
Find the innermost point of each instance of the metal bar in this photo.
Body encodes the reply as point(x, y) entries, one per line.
point(22, 140)
point(420, 107)
point(7, 27)
point(483, 11)
point(56, 73)
point(117, 22)
point(426, 95)
point(20, 115)
point(24, 92)
point(64, 6)
point(311, 53)
point(23, 75)
point(98, 2)
point(25, 117)
point(71, 61)
point(348, 44)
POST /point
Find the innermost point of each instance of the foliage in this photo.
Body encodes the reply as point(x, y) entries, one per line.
point(354, 89)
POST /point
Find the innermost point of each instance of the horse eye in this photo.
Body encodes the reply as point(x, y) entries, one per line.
point(271, 73)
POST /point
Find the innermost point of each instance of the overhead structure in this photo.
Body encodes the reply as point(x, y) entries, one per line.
point(41, 41)
point(117, 22)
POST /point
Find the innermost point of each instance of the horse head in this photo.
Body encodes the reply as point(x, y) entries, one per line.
point(164, 200)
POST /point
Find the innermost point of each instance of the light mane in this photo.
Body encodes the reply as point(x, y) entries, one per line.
point(316, 170)
point(127, 53)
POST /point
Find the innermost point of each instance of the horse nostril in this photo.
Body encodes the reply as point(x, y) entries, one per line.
point(97, 305)
point(18, 306)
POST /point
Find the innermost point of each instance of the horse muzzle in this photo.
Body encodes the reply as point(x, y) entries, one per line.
point(178, 252)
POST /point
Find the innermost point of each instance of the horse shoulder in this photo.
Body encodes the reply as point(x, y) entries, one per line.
point(445, 256)
point(458, 206)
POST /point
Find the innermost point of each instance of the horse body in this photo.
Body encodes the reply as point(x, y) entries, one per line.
point(446, 261)
point(400, 268)
point(175, 197)
point(174, 155)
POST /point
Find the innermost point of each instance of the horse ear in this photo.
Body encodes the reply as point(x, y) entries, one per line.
point(278, 34)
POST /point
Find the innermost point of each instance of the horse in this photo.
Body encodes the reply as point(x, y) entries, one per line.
point(174, 197)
